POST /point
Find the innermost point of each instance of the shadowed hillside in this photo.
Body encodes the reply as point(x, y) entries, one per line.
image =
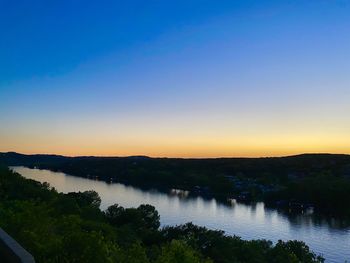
point(309, 180)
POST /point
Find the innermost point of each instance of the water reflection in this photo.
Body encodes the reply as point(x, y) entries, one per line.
point(326, 236)
point(179, 192)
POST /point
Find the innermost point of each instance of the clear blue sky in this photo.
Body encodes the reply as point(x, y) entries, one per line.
point(175, 78)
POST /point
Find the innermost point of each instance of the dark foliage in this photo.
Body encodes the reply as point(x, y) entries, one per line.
point(320, 180)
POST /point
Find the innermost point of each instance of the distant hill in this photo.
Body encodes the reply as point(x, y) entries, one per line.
point(14, 156)
point(337, 164)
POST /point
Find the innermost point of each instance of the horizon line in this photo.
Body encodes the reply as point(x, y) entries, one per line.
point(167, 157)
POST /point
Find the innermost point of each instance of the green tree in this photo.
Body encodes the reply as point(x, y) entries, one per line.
point(150, 216)
point(179, 252)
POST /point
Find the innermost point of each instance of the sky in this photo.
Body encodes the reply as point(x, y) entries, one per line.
point(175, 78)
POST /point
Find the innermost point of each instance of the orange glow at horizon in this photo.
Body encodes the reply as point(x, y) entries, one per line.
point(183, 147)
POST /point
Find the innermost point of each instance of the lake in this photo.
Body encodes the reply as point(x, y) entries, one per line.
point(327, 236)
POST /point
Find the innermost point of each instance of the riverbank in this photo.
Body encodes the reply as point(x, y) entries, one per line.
point(327, 236)
point(319, 181)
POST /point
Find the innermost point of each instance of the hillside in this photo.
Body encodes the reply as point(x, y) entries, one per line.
point(320, 180)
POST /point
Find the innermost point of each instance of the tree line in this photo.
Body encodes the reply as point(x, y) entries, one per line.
point(322, 180)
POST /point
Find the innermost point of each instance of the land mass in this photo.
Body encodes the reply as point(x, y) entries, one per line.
point(318, 181)
point(57, 227)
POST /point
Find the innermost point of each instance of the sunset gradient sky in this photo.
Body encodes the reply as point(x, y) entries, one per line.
point(175, 78)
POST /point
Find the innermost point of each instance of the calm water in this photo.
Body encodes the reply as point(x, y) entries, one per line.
point(330, 237)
